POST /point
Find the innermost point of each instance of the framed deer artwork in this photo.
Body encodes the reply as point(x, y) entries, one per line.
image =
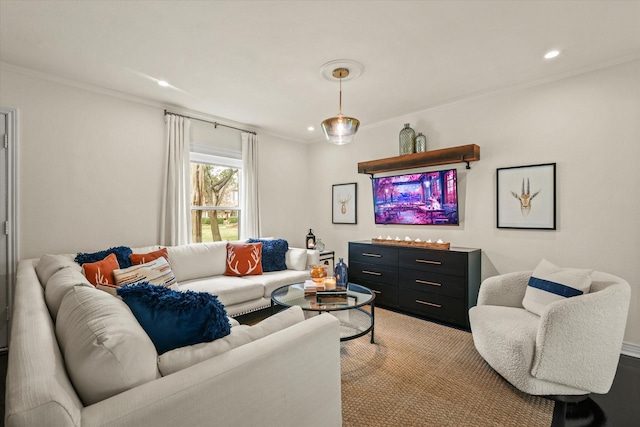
point(526, 197)
point(344, 203)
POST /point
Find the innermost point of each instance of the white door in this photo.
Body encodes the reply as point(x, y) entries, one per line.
point(4, 249)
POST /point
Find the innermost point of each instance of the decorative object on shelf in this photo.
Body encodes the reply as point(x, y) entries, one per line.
point(344, 203)
point(421, 143)
point(340, 130)
point(407, 140)
point(417, 243)
point(318, 273)
point(526, 197)
point(311, 240)
point(461, 154)
point(319, 245)
point(342, 273)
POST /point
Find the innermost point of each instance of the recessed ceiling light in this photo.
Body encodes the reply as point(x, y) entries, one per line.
point(551, 54)
point(163, 83)
point(310, 128)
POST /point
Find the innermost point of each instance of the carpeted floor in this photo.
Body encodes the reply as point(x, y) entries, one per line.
point(423, 374)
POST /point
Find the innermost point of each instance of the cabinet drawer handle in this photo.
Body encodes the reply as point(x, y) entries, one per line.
point(376, 292)
point(428, 303)
point(425, 261)
point(424, 282)
point(373, 273)
point(372, 255)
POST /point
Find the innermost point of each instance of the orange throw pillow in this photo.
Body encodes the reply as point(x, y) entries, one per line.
point(137, 259)
point(244, 259)
point(101, 272)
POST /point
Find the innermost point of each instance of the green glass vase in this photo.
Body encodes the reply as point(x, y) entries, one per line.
point(407, 140)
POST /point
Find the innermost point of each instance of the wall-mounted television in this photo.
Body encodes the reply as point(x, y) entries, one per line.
point(428, 198)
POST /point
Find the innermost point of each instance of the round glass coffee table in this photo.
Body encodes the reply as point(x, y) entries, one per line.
point(355, 321)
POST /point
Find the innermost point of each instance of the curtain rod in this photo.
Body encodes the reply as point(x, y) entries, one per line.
point(215, 124)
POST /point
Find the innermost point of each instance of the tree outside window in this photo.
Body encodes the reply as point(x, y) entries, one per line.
point(214, 202)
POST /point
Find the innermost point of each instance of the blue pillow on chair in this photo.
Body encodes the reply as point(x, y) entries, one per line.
point(274, 252)
point(174, 319)
point(122, 254)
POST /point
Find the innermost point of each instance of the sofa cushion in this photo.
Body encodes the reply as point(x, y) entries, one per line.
point(183, 357)
point(296, 259)
point(274, 253)
point(244, 259)
point(175, 319)
point(122, 253)
point(230, 290)
point(105, 349)
point(198, 260)
point(156, 272)
point(58, 286)
point(275, 279)
point(550, 283)
point(48, 265)
point(101, 272)
point(137, 259)
point(145, 249)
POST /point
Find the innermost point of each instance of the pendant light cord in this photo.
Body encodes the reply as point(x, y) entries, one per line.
point(340, 112)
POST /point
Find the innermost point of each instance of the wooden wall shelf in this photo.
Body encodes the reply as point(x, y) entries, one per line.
point(461, 154)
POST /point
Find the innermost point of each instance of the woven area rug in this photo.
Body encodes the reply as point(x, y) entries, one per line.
point(420, 373)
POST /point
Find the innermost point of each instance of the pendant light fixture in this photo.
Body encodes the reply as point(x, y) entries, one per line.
point(340, 130)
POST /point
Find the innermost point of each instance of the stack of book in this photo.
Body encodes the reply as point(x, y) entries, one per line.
point(334, 296)
point(311, 287)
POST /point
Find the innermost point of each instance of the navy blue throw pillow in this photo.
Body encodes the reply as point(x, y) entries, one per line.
point(174, 319)
point(121, 252)
point(274, 253)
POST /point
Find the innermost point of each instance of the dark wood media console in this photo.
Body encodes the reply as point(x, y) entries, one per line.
point(437, 284)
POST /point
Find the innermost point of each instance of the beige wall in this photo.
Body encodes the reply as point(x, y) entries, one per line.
point(91, 167)
point(587, 124)
point(285, 201)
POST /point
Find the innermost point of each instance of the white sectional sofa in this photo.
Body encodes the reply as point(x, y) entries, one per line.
point(269, 379)
point(200, 267)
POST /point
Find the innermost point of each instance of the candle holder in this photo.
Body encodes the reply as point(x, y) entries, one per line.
point(330, 283)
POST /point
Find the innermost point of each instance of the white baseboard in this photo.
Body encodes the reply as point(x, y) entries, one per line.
point(630, 349)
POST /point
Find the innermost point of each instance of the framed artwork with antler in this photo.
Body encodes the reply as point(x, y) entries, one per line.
point(344, 203)
point(526, 197)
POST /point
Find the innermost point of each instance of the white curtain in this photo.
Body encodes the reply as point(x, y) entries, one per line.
point(250, 213)
point(175, 221)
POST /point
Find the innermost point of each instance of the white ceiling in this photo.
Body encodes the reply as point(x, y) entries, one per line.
point(258, 62)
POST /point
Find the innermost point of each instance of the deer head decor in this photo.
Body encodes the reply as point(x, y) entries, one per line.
point(525, 198)
point(343, 202)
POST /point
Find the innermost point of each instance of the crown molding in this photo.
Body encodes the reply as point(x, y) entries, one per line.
point(5, 66)
point(510, 89)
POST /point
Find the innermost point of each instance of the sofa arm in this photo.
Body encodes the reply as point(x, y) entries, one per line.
point(289, 378)
point(313, 257)
point(504, 290)
point(584, 331)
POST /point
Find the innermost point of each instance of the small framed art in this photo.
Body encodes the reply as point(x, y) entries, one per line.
point(526, 197)
point(344, 203)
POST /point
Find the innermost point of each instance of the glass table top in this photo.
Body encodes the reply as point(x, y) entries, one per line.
point(291, 295)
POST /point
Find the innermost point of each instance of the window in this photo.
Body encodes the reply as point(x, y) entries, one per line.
point(215, 198)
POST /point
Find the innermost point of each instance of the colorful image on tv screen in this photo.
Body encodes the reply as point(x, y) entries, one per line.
point(429, 198)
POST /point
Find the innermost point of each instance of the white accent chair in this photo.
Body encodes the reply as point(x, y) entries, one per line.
point(569, 351)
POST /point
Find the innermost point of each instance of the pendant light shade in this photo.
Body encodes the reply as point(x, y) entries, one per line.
point(340, 130)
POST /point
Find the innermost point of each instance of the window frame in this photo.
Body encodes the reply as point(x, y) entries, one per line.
point(227, 160)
